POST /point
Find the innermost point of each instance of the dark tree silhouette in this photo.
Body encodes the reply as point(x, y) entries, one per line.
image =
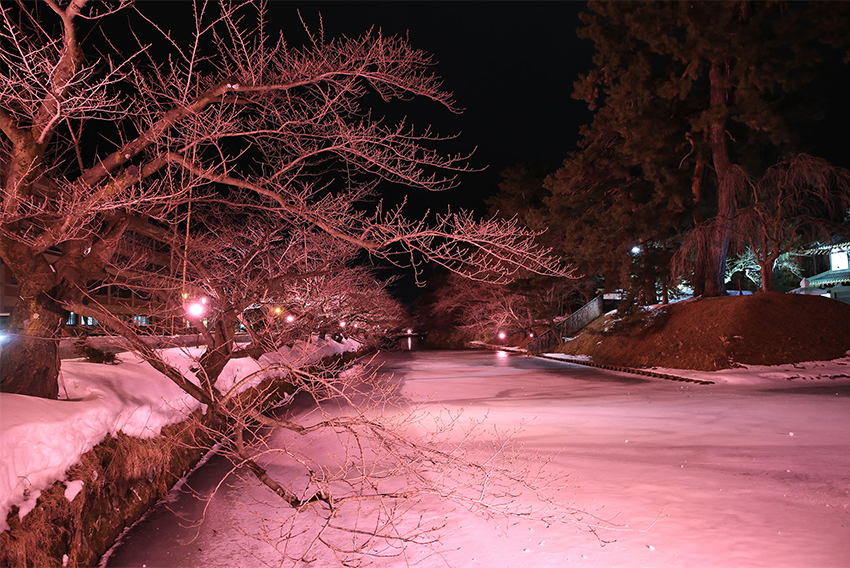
point(682, 94)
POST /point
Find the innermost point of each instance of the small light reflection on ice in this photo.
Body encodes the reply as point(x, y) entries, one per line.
point(410, 344)
point(501, 353)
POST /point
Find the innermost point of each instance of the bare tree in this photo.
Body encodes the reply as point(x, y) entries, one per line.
point(363, 504)
point(481, 309)
point(801, 197)
point(255, 161)
point(93, 140)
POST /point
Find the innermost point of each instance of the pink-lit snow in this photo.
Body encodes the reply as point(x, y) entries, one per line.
point(40, 439)
point(751, 471)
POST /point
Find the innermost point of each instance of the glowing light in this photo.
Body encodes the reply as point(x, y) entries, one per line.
point(410, 344)
point(355, 326)
point(342, 324)
point(195, 309)
point(409, 332)
point(277, 310)
point(530, 335)
point(501, 354)
point(635, 249)
point(203, 300)
point(3, 337)
point(185, 295)
point(290, 318)
point(502, 335)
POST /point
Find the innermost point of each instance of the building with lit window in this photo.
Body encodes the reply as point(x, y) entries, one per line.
point(834, 282)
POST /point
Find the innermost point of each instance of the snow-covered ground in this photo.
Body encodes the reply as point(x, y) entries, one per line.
point(752, 471)
point(40, 439)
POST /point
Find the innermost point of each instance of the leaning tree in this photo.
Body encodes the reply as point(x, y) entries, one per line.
point(98, 134)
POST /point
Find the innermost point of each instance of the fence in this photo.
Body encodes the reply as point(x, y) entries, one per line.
point(569, 327)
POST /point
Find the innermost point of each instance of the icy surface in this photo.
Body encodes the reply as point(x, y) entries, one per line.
point(753, 471)
point(40, 439)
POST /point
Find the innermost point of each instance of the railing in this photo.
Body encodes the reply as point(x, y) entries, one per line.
point(569, 327)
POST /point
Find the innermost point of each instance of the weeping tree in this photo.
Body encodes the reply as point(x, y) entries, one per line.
point(796, 201)
point(96, 134)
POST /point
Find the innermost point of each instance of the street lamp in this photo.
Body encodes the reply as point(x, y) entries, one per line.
point(195, 309)
point(502, 335)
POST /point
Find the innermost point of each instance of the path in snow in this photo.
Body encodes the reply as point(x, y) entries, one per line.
point(746, 475)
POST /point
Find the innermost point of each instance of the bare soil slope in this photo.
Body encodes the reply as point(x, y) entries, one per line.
point(768, 328)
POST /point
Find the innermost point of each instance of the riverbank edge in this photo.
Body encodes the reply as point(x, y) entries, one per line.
point(567, 359)
point(123, 477)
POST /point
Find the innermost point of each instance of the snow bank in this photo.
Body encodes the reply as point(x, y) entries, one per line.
point(40, 439)
point(752, 374)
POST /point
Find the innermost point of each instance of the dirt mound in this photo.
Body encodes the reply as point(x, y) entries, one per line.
point(768, 328)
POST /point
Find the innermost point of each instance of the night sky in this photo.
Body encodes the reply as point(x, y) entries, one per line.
point(511, 66)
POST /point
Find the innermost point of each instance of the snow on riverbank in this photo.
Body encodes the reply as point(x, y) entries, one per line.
point(40, 439)
point(746, 374)
point(752, 471)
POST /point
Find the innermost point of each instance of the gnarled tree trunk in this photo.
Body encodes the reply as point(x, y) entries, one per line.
point(30, 361)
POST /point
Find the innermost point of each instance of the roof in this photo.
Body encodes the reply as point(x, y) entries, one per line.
point(830, 277)
point(825, 249)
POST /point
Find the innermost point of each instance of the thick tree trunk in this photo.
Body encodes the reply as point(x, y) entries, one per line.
point(220, 351)
point(30, 361)
point(767, 277)
point(721, 232)
point(702, 253)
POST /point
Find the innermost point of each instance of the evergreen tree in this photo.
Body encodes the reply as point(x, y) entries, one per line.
point(685, 96)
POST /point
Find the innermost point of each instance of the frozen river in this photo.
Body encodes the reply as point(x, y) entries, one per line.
point(726, 475)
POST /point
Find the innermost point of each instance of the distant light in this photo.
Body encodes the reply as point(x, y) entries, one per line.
point(501, 353)
point(195, 310)
point(203, 300)
point(409, 331)
point(355, 326)
point(502, 335)
point(3, 337)
point(530, 335)
point(635, 249)
point(290, 318)
point(277, 310)
point(342, 324)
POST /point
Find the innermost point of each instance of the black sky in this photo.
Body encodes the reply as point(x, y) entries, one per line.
point(511, 66)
